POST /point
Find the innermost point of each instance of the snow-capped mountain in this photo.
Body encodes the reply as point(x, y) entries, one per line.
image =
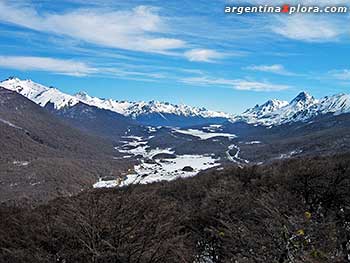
point(296, 110)
point(135, 109)
point(302, 108)
point(336, 104)
point(39, 94)
point(259, 111)
point(274, 112)
point(142, 110)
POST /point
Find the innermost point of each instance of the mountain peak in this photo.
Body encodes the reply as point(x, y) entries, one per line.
point(81, 95)
point(275, 103)
point(303, 97)
point(38, 93)
point(11, 78)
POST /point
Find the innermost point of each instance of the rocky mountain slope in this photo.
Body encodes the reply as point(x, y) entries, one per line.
point(42, 157)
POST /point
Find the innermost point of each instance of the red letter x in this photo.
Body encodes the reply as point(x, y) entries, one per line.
point(285, 9)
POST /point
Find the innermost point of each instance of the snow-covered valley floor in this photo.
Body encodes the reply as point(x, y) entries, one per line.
point(164, 164)
point(170, 169)
point(153, 169)
point(204, 135)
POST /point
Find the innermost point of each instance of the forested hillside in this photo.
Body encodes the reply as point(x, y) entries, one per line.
point(297, 210)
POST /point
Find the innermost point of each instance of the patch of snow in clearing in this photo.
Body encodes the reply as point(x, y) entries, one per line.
point(290, 154)
point(135, 143)
point(140, 147)
point(122, 157)
point(20, 163)
point(106, 184)
point(154, 152)
point(145, 151)
point(215, 125)
point(137, 138)
point(204, 135)
point(168, 170)
point(140, 150)
point(253, 142)
point(121, 142)
point(151, 129)
point(235, 158)
point(213, 128)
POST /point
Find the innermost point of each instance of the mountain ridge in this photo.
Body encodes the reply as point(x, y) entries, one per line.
point(274, 112)
point(42, 95)
point(303, 107)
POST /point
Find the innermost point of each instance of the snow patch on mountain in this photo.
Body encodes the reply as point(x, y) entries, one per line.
point(10, 124)
point(296, 110)
point(42, 95)
point(336, 104)
point(134, 109)
point(274, 112)
point(302, 108)
point(266, 108)
point(39, 94)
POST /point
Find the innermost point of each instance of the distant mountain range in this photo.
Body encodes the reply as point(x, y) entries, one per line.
point(303, 107)
point(147, 113)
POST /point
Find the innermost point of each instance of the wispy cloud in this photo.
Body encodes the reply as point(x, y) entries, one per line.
point(238, 84)
point(275, 68)
point(138, 29)
point(343, 74)
point(305, 27)
point(57, 66)
point(309, 28)
point(203, 55)
point(82, 69)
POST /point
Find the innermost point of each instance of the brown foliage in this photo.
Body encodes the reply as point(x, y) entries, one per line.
point(292, 211)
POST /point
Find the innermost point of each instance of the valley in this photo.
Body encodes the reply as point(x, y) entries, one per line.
point(174, 132)
point(157, 164)
point(141, 149)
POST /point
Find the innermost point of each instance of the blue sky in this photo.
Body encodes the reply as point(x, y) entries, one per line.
point(178, 51)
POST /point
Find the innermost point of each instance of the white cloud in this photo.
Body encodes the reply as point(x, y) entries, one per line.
point(276, 68)
point(259, 86)
point(139, 29)
point(58, 66)
point(343, 74)
point(308, 28)
point(203, 55)
point(238, 84)
point(305, 27)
